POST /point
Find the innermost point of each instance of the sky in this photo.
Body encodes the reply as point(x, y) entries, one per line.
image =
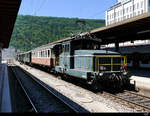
point(87, 9)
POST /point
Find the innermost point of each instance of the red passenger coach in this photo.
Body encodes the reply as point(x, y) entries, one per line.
point(42, 61)
point(43, 57)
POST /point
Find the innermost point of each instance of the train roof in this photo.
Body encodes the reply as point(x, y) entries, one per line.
point(95, 52)
point(24, 53)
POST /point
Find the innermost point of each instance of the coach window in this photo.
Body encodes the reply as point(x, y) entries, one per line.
point(63, 48)
point(145, 59)
point(129, 58)
point(48, 53)
point(44, 53)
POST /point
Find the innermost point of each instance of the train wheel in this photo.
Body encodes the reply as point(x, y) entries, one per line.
point(96, 86)
point(63, 76)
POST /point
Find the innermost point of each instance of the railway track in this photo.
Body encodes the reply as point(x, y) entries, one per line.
point(136, 101)
point(42, 97)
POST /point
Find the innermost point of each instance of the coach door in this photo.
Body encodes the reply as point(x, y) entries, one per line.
point(136, 60)
point(66, 54)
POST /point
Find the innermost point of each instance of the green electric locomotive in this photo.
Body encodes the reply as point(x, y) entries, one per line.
point(82, 58)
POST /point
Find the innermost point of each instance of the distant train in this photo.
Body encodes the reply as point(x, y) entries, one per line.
point(81, 58)
point(138, 55)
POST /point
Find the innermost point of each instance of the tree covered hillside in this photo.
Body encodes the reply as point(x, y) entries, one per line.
point(33, 31)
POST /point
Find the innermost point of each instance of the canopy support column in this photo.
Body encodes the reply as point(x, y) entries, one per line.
point(117, 47)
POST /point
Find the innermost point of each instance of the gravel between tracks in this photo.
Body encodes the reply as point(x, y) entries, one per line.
point(87, 99)
point(42, 99)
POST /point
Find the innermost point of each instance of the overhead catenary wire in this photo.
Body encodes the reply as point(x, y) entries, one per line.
point(34, 14)
point(39, 8)
point(88, 28)
point(99, 12)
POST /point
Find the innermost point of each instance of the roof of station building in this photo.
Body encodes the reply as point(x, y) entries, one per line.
point(8, 13)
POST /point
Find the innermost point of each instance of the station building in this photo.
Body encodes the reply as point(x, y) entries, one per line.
point(125, 9)
point(137, 52)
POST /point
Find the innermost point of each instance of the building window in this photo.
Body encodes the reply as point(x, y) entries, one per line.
point(142, 4)
point(130, 8)
point(138, 12)
point(134, 13)
point(127, 9)
point(137, 5)
point(142, 11)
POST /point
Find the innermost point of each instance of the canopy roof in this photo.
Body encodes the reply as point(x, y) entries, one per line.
point(8, 13)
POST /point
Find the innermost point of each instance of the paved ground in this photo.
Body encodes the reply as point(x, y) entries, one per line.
point(5, 101)
point(142, 78)
point(140, 72)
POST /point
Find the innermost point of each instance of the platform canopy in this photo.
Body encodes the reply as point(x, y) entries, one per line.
point(8, 13)
point(136, 28)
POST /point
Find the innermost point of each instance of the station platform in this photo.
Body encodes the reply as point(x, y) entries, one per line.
point(142, 80)
point(5, 100)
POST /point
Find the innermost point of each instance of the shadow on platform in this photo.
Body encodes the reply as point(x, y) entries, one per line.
point(140, 72)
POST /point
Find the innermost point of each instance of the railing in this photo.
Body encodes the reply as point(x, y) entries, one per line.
point(110, 63)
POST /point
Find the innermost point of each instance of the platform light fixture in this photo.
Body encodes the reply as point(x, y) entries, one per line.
point(145, 31)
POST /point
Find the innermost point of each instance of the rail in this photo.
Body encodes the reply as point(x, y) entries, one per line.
point(65, 104)
point(139, 102)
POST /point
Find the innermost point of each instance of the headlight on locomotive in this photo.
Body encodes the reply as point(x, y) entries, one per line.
point(100, 74)
point(102, 68)
point(125, 73)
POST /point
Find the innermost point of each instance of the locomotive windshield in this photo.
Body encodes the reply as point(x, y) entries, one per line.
point(110, 63)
